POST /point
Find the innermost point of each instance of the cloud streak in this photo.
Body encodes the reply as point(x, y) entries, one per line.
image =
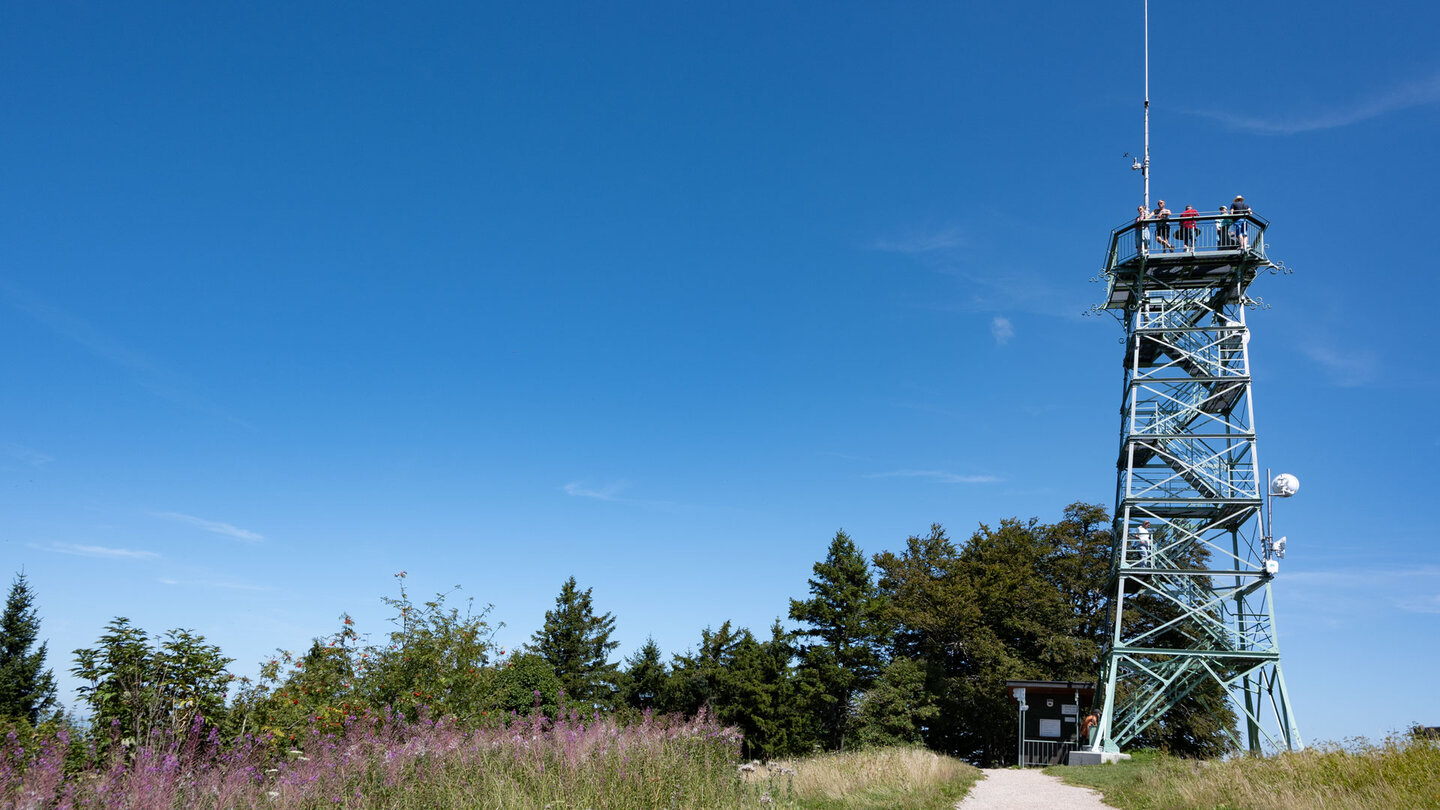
point(1347, 369)
point(1409, 590)
point(76, 550)
point(1417, 93)
point(1011, 289)
point(938, 476)
point(1351, 577)
point(213, 526)
point(34, 458)
point(147, 373)
point(232, 586)
point(1420, 604)
point(926, 241)
point(608, 492)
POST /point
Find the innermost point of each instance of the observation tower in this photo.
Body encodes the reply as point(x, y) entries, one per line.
point(1193, 558)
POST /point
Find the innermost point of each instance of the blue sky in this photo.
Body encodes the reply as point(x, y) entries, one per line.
point(297, 296)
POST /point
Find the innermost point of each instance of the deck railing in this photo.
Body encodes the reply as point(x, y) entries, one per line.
point(1180, 235)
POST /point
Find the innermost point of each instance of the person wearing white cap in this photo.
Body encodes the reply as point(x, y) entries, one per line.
point(1242, 234)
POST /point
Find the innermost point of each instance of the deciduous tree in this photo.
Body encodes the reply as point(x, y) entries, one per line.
point(141, 685)
point(436, 656)
point(897, 708)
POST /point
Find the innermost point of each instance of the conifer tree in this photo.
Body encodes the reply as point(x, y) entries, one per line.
point(577, 645)
point(847, 633)
point(643, 687)
point(696, 678)
point(27, 688)
point(762, 695)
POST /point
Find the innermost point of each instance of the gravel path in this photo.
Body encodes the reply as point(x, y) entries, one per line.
point(1024, 789)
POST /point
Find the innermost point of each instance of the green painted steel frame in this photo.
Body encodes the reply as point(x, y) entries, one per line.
point(1192, 595)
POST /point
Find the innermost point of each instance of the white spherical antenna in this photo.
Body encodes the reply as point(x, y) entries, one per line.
point(1284, 485)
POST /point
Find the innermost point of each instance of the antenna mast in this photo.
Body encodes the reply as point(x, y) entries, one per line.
point(1145, 167)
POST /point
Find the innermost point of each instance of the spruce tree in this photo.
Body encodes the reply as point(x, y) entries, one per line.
point(27, 688)
point(761, 694)
point(577, 645)
point(844, 618)
point(643, 687)
point(695, 678)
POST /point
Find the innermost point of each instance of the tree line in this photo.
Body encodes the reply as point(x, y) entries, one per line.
point(910, 646)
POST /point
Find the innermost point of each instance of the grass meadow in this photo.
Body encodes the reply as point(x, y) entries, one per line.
point(1399, 773)
point(389, 762)
point(912, 778)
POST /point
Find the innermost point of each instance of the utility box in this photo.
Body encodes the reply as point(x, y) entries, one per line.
point(1049, 719)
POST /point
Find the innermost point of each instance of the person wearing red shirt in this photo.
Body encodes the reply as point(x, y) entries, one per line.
point(1187, 227)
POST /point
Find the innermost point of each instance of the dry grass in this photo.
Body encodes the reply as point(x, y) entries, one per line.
point(1396, 773)
point(874, 778)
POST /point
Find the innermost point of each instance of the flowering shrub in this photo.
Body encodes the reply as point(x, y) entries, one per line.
point(436, 656)
point(390, 761)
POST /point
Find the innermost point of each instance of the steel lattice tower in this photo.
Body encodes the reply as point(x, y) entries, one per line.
point(1193, 611)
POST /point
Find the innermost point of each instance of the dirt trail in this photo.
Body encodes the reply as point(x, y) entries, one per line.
point(1028, 789)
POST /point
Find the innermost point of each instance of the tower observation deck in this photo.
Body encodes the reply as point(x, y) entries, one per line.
point(1192, 562)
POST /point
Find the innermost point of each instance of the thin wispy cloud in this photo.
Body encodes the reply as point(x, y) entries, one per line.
point(1001, 329)
point(1357, 577)
point(987, 289)
point(607, 492)
point(213, 526)
point(1406, 589)
point(610, 493)
point(930, 407)
point(1006, 289)
point(76, 550)
point(34, 458)
point(78, 331)
point(1416, 93)
point(230, 586)
point(149, 374)
point(1347, 369)
point(938, 476)
point(922, 241)
point(1420, 604)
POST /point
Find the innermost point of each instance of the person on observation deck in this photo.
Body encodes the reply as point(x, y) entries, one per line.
point(1242, 235)
point(1142, 229)
point(1187, 227)
point(1223, 233)
point(1162, 226)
